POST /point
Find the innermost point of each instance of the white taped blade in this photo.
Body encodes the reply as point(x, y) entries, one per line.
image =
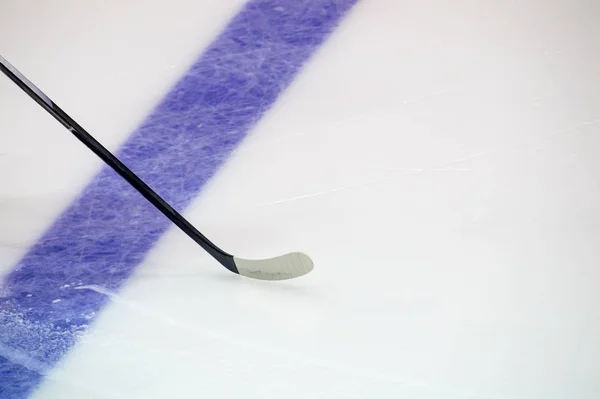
point(284, 267)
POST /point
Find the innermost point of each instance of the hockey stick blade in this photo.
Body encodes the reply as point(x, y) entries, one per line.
point(284, 267)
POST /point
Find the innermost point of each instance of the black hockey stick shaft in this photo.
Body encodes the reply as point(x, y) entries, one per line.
point(34, 92)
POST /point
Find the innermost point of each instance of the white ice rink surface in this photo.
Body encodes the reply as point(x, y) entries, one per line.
point(439, 161)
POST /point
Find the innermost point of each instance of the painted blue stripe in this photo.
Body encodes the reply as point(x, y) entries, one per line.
point(109, 228)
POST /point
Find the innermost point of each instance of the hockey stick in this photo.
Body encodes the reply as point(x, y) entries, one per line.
point(284, 267)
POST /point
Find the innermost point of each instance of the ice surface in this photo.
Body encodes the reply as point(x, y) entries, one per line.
point(439, 163)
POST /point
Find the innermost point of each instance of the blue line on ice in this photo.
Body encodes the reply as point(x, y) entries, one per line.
point(108, 230)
